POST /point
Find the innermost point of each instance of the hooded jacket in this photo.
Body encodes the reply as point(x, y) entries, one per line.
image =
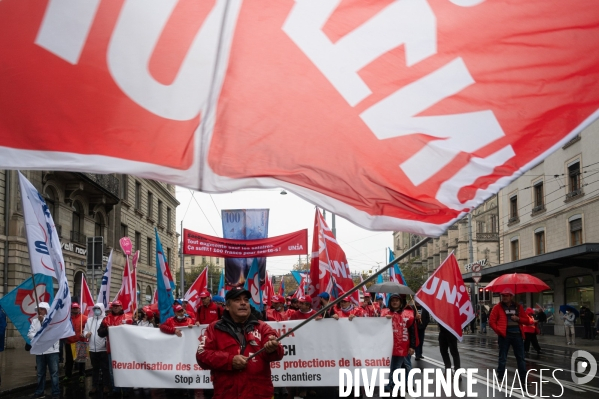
point(36, 326)
point(404, 331)
point(208, 314)
point(220, 343)
point(96, 343)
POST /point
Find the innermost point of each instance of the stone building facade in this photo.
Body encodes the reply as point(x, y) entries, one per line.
point(85, 205)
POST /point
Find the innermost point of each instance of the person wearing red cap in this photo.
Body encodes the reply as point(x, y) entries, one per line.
point(507, 319)
point(178, 320)
point(226, 345)
point(208, 311)
point(305, 309)
point(277, 312)
point(370, 309)
point(78, 320)
point(146, 317)
point(346, 309)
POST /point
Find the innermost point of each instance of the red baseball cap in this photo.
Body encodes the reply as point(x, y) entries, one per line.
point(306, 299)
point(116, 303)
point(277, 299)
point(75, 305)
point(204, 294)
point(178, 308)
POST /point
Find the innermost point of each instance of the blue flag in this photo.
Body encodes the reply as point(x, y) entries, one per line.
point(221, 285)
point(166, 285)
point(252, 284)
point(395, 273)
point(298, 275)
point(19, 304)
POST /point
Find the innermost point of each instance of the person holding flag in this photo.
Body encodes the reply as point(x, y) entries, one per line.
point(226, 345)
point(370, 309)
point(78, 320)
point(49, 358)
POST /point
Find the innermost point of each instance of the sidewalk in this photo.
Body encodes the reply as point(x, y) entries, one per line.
point(17, 367)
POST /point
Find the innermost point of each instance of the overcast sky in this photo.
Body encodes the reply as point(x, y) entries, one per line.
point(201, 212)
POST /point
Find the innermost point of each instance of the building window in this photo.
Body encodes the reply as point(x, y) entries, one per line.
point(138, 195)
point(149, 252)
point(99, 225)
point(168, 219)
point(138, 241)
point(150, 205)
point(480, 227)
point(515, 249)
point(168, 255)
point(77, 224)
point(539, 200)
point(513, 208)
point(124, 187)
point(124, 230)
point(576, 231)
point(193, 260)
point(159, 212)
point(580, 291)
point(494, 224)
point(203, 259)
point(540, 242)
point(217, 261)
point(574, 177)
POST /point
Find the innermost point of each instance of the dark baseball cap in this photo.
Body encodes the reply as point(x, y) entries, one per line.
point(237, 292)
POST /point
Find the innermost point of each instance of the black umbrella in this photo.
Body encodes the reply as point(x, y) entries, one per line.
point(391, 287)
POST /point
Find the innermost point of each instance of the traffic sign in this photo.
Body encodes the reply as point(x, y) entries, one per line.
point(476, 277)
point(476, 267)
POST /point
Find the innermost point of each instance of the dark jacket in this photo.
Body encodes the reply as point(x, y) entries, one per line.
point(425, 317)
point(221, 344)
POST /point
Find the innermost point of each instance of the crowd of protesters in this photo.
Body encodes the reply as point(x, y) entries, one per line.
point(233, 321)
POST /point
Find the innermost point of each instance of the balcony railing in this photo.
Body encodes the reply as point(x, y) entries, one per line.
point(78, 237)
point(513, 219)
point(108, 182)
point(487, 236)
point(574, 194)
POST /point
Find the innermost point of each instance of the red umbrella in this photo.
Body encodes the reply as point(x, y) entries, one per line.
point(518, 282)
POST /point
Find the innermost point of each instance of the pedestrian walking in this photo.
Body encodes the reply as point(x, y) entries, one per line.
point(78, 320)
point(530, 334)
point(484, 317)
point(448, 343)
point(47, 359)
point(586, 316)
point(506, 320)
point(404, 334)
point(226, 345)
point(569, 319)
point(423, 319)
point(541, 317)
point(97, 350)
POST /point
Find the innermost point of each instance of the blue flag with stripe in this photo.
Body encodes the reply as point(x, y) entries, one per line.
point(252, 284)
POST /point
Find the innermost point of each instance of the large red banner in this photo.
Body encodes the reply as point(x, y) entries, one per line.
point(410, 111)
point(295, 243)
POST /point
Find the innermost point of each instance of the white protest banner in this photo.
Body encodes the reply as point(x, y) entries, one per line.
point(313, 356)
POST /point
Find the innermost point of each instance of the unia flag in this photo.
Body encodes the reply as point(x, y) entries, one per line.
point(164, 281)
point(126, 294)
point(446, 298)
point(252, 284)
point(192, 296)
point(87, 300)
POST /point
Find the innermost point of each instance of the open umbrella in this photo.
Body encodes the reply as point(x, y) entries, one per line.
point(518, 282)
point(571, 308)
point(391, 287)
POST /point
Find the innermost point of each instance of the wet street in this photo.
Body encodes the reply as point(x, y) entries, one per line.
point(476, 351)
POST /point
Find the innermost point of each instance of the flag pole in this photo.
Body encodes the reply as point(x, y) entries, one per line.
point(357, 287)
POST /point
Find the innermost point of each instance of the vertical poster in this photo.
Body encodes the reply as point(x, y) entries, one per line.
point(244, 224)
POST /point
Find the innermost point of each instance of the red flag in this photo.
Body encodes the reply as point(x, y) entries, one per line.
point(126, 294)
point(267, 290)
point(192, 296)
point(155, 297)
point(87, 301)
point(329, 270)
point(134, 280)
point(446, 298)
point(427, 96)
point(301, 290)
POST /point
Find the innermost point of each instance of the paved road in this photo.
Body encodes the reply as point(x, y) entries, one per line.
point(476, 352)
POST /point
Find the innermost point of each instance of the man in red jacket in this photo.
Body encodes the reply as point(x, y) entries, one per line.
point(226, 345)
point(305, 309)
point(370, 309)
point(78, 320)
point(507, 319)
point(178, 320)
point(277, 312)
point(208, 311)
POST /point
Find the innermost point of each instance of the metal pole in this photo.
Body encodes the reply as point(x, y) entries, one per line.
point(182, 270)
point(348, 293)
point(334, 229)
point(7, 174)
point(473, 286)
